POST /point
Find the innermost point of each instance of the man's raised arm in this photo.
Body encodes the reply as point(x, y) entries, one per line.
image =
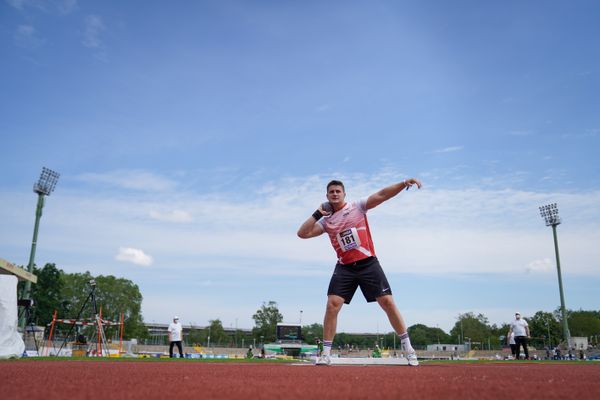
point(388, 192)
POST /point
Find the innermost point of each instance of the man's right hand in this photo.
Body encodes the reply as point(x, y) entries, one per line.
point(326, 208)
point(310, 228)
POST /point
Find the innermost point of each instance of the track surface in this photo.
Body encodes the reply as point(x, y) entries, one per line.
point(53, 380)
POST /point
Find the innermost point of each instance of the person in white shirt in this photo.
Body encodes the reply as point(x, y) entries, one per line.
point(520, 328)
point(174, 331)
point(513, 345)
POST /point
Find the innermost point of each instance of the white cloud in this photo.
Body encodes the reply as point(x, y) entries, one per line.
point(171, 216)
point(432, 231)
point(522, 132)
point(66, 6)
point(135, 256)
point(544, 265)
point(18, 4)
point(130, 179)
point(448, 149)
point(53, 6)
point(588, 133)
point(26, 36)
point(93, 28)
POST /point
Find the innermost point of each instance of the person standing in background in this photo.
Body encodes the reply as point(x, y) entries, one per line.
point(520, 329)
point(513, 345)
point(175, 329)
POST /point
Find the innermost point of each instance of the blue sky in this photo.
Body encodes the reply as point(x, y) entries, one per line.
point(193, 138)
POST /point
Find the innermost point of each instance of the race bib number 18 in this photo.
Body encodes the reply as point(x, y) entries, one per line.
point(348, 239)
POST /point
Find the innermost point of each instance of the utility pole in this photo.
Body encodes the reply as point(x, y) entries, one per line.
point(550, 214)
point(43, 187)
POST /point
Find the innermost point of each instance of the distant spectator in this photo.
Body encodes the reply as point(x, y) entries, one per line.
point(175, 329)
point(513, 345)
point(376, 352)
point(319, 347)
point(520, 328)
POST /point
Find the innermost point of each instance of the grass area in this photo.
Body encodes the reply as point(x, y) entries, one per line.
point(514, 362)
point(156, 359)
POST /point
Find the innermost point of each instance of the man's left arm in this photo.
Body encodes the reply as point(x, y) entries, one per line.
point(388, 192)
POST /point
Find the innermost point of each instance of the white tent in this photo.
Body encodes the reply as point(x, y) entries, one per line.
point(11, 343)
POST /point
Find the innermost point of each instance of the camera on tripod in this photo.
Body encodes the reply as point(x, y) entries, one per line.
point(26, 303)
point(98, 323)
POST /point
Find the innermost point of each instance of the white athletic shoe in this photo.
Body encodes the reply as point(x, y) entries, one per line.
point(412, 359)
point(323, 360)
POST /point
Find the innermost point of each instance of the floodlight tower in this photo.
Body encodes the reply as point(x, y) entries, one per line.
point(550, 214)
point(43, 187)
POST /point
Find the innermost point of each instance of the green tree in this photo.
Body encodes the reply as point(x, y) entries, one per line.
point(265, 320)
point(422, 335)
point(312, 332)
point(113, 297)
point(217, 334)
point(46, 294)
point(544, 329)
point(195, 336)
point(584, 323)
point(354, 339)
point(472, 328)
point(498, 335)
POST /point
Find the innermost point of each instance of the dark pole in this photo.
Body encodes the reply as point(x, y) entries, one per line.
point(43, 187)
point(550, 214)
point(27, 287)
point(563, 309)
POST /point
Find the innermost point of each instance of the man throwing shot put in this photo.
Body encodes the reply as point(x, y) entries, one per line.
point(348, 230)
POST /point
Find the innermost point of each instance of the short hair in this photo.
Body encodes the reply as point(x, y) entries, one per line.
point(336, 183)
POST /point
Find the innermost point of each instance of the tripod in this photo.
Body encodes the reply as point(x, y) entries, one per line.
point(102, 342)
point(26, 305)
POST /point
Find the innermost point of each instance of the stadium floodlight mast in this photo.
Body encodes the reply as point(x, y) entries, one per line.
point(43, 187)
point(550, 214)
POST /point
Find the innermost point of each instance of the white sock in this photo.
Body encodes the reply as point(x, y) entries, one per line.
point(327, 347)
point(405, 343)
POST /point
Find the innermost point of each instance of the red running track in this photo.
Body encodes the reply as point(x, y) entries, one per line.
point(51, 380)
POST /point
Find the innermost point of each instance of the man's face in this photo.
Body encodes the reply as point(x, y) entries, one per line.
point(518, 316)
point(336, 194)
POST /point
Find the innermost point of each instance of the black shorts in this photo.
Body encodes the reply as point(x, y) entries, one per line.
point(365, 273)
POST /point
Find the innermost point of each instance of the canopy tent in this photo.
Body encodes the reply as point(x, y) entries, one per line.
point(11, 342)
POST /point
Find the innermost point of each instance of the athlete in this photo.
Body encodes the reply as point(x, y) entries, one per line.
point(348, 230)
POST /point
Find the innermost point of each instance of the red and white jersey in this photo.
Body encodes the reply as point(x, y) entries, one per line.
point(349, 233)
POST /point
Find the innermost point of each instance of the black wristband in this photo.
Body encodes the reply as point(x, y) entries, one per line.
point(317, 215)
